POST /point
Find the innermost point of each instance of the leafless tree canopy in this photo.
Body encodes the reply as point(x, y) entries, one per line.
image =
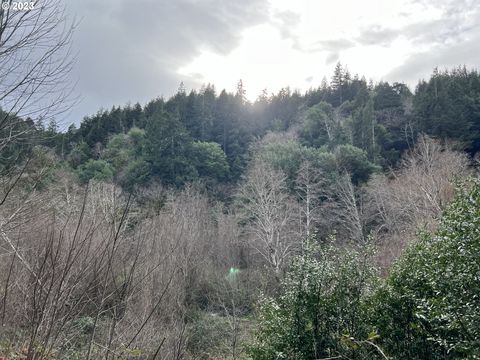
point(75, 259)
point(271, 214)
point(412, 197)
point(36, 60)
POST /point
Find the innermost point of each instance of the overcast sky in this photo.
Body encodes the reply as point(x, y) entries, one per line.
point(136, 50)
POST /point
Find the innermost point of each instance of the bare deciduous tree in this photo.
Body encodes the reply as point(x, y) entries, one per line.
point(36, 62)
point(309, 186)
point(343, 212)
point(271, 215)
point(413, 196)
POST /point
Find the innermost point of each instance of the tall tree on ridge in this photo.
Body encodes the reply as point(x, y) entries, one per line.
point(337, 84)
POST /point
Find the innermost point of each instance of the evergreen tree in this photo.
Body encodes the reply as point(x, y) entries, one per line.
point(167, 145)
point(337, 85)
point(448, 106)
point(364, 125)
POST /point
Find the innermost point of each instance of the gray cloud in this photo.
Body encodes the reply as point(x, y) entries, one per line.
point(131, 50)
point(452, 40)
point(442, 55)
point(376, 35)
point(458, 17)
point(286, 22)
point(431, 32)
point(332, 57)
point(442, 31)
point(448, 6)
point(332, 45)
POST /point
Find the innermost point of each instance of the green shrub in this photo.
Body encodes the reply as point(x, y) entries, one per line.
point(430, 305)
point(99, 170)
point(322, 310)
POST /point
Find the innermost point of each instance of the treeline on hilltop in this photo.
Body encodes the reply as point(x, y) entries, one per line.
point(205, 135)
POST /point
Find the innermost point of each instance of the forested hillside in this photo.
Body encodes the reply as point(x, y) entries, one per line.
point(339, 223)
point(208, 135)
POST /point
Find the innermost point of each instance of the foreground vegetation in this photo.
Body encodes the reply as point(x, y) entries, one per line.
point(333, 304)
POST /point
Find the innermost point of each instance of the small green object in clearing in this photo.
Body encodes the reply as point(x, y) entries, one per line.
point(234, 271)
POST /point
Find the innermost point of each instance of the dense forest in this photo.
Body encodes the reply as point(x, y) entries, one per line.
point(337, 223)
point(202, 135)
